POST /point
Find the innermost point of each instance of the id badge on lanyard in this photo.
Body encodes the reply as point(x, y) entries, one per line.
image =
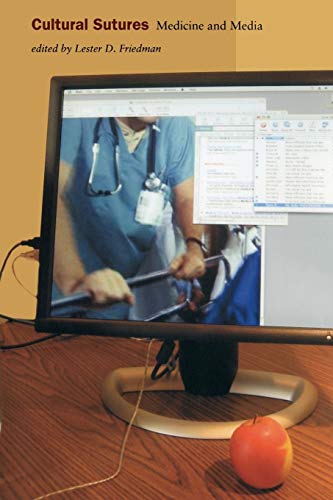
point(149, 209)
point(152, 197)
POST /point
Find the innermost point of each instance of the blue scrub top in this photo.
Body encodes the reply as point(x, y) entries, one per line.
point(239, 302)
point(106, 233)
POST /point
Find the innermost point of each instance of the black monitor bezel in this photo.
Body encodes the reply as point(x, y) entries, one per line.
point(44, 321)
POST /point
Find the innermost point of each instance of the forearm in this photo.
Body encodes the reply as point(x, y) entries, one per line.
point(68, 268)
point(184, 211)
point(183, 206)
point(189, 265)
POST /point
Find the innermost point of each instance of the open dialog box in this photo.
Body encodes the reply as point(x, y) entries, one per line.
point(224, 170)
point(293, 164)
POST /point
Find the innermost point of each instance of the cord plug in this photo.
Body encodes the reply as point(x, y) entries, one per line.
point(165, 352)
point(33, 243)
point(164, 357)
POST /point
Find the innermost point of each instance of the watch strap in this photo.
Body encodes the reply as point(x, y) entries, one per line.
point(198, 242)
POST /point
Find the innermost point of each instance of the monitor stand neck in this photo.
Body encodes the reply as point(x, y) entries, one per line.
point(299, 392)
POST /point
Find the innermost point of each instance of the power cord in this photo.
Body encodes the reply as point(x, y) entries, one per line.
point(165, 357)
point(18, 320)
point(27, 344)
point(33, 254)
point(29, 322)
point(123, 445)
point(33, 243)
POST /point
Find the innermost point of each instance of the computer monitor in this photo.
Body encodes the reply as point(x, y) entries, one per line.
point(196, 207)
point(250, 152)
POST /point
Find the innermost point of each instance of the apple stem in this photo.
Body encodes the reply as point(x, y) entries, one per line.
point(255, 418)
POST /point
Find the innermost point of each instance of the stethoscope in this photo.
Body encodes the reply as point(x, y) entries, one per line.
point(152, 182)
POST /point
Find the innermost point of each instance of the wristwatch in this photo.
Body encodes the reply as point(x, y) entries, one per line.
point(203, 247)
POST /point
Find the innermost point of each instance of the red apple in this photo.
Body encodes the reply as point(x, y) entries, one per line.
point(261, 452)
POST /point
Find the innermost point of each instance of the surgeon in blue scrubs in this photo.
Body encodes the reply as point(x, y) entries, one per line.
point(99, 242)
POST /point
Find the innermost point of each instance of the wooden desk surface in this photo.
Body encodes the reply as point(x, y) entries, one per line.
point(56, 432)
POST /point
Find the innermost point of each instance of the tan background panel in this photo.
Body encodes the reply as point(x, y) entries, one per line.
point(297, 35)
